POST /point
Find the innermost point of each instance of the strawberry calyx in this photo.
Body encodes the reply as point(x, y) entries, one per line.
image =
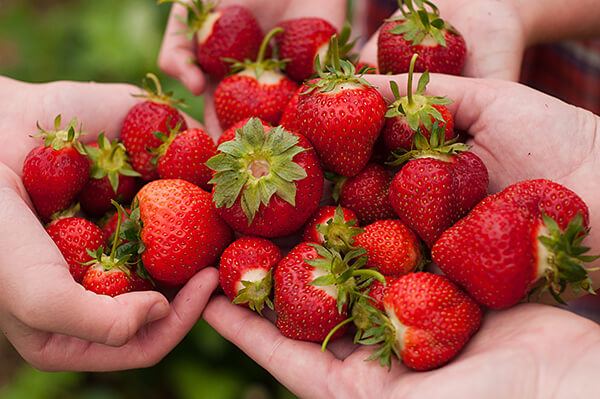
point(256, 294)
point(198, 12)
point(166, 140)
point(254, 166)
point(419, 24)
point(154, 93)
point(71, 211)
point(416, 107)
point(109, 159)
point(566, 258)
point(258, 67)
point(379, 330)
point(338, 233)
point(60, 138)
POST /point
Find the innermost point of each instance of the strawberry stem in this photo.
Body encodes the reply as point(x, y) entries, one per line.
point(265, 43)
point(411, 70)
point(335, 53)
point(117, 230)
point(333, 330)
point(369, 273)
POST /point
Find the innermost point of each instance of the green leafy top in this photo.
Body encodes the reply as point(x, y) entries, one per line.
point(419, 23)
point(166, 140)
point(338, 233)
point(153, 92)
point(256, 294)
point(198, 11)
point(60, 138)
point(255, 166)
point(109, 159)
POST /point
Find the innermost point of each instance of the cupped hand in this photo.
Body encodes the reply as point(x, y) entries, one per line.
point(529, 351)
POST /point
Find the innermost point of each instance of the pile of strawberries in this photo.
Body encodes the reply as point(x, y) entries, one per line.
point(163, 201)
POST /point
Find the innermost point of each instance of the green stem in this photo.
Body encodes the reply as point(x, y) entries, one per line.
point(157, 85)
point(411, 70)
point(117, 231)
point(333, 330)
point(265, 43)
point(335, 52)
point(369, 273)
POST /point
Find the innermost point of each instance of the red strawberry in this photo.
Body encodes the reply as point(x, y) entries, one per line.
point(392, 248)
point(526, 237)
point(267, 182)
point(109, 226)
point(229, 134)
point(342, 116)
point(333, 227)
point(440, 46)
point(155, 114)
point(415, 111)
point(366, 194)
point(427, 321)
point(183, 155)
point(378, 290)
point(55, 172)
point(181, 232)
point(257, 89)
point(288, 119)
point(74, 236)
point(246, 271)
point(437, 187)
point(112, 281)
point(111, 177)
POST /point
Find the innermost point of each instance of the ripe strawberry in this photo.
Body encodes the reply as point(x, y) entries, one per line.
point(288, 118)
point(392, 248)
point(257, 88)
point(74, 236)
point(155, 114)
point(221, 33)
point(55, 172)
point(415, 111)
point(440, 46)
point(267, 182)
point(246, 271)
point(366, 194)
point(438, 186)
point(109, 226)
point(111, 281)
point(527, 237)
point(183, 155)
point(111, 177)
point(378, 290)
point(427, 321)
point(332, 227)
point(181, 232)
point(342, 116)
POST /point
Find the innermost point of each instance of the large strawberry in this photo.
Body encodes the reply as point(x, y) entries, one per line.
point(221, 33)
point(111, 177)
point(526, 237)
point(55, 172)
point(246, 271)
point(440, 183)
point(440, 47)
point(181, 232)
point(415, 111)
point(74, 236)
point(155, 114)
point(257, 88)
point(342, 116)
point(267, 182)
point(427, 321)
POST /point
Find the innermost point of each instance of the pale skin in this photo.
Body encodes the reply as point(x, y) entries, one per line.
point(52, 321)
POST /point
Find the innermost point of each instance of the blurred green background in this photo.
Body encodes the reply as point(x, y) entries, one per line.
point(114, 41)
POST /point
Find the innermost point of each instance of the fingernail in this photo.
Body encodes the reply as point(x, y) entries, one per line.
point(158, 311)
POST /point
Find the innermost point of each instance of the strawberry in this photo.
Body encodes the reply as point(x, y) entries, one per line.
point(437, 186)
point(178, 228)
point(440, 46)
point(523, 239)
point(111, 177)
point(288, 118)
point(415, 111)
point(221, 33)
point(267, 182)
point(111, 281)
point(229, 134)
point(246, 271)
point(183, 155)
point(155, 114)
point(109, 225)
point(427, 321)
point(332, 227)
point(74, 236)
point(55, 172)
point(392, 248)
point(378, 290)
point(257, 88)
point(342, 116)
point(366, 194)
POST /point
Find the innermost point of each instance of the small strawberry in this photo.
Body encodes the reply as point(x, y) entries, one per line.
point(427, 321)
point(246, 271)
point(155, 114)
point(342, 116)
point(109, 225)
point(439, 184)
point(288, 118)
point(415, 111)
point(333, 227)
point(55, 172)
point(74, 236)
point(267, 182)
point(440, 46)
point(378, 290)
point(257, 88)
point(392, 248)
point(111, 177)
point(183, 155)
point(221, 33)
point(523, 239)
point(366, 194)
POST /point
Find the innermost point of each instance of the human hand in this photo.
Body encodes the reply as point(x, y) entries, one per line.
point(508, 358)
point(52, 321)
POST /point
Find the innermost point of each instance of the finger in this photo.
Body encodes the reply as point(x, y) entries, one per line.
point(177, 55)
